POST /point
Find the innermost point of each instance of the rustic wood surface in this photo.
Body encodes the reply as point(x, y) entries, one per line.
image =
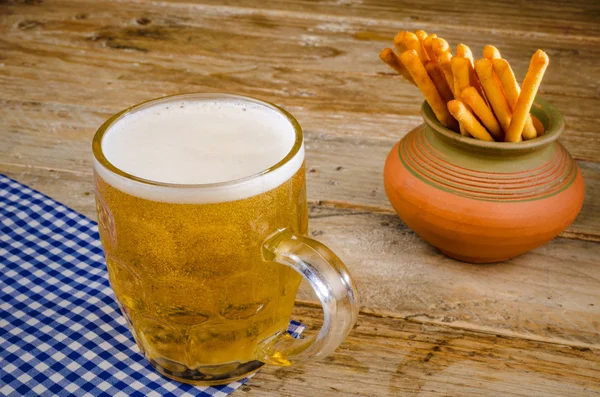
point(429, 325)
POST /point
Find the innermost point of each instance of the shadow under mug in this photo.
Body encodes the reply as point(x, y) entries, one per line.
point(206, 275)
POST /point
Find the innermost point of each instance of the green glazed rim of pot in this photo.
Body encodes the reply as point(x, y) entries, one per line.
point(547, 113)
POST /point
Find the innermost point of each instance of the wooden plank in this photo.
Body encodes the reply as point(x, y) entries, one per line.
point(93, 61)
point(544, 18)
point(550, 294)
point(196, 36)
point(512, 18)
point(392, 357)
point(328, 90)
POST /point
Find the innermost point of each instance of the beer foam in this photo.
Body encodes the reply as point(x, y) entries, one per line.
point(199, 140)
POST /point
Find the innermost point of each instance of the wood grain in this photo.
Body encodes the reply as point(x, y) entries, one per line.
point(550, 294)
point(184, 48)
point(429, 326)
point(511, 18)
point(394, 357)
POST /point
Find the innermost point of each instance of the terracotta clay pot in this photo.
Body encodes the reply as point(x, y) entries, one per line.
point(484, 201)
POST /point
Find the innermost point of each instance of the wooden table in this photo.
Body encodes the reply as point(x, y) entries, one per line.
point(429, 325)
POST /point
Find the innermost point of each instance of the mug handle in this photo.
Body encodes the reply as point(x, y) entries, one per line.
point(331, 281)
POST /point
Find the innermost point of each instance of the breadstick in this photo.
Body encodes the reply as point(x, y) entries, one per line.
point(460, 71)
point(512, 90)
point(474, 80)
point(399, 42)
point(468, 121)
point(427, 44)
point(491, 52)
point(422, 35)
point(445, 61)
point(507, 79)
point(537, 124)
point(529, 131)
point(537, 68)
point(410, 59)
point(464, 51)
point(493, 92)
point(472, 98)
point(437, 76)
point(440, 46)
point(462, 80)
point(388, 56)
point(410, 41)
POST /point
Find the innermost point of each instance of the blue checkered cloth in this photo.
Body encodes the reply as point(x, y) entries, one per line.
point(61, 331)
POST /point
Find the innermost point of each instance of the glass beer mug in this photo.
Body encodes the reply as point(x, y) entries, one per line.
point(202, 212)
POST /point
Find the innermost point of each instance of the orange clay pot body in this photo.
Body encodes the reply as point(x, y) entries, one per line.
point(484, 201)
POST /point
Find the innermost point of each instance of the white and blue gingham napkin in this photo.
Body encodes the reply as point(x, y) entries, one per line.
point(61, 331)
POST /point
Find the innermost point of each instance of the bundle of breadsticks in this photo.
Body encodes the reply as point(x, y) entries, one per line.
point(481, 99)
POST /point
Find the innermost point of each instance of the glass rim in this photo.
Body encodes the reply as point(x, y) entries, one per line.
point(104, 162)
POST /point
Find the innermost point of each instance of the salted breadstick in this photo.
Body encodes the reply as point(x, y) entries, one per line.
point(529, 131)
point(427, 44)
point(399, 42)
point(410, 41)
point(507, 79)
point(464, 51)
point(468, 121)
point(422, 35)
point(537, 124)
point(462, 80)
point(512, 90)
point(474, 79)
point(471, 97)
point(445, 61)
point(460, 71)
point(437, 76)
point(388, 56)
point(493, 92)
point(490, 52)
point(440, 46)
point(411, 60)
point(531, 84)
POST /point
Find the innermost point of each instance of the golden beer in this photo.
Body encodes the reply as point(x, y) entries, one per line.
point(191, 279)
point(206, 301)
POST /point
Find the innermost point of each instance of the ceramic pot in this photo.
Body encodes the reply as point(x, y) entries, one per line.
point(484, 201)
